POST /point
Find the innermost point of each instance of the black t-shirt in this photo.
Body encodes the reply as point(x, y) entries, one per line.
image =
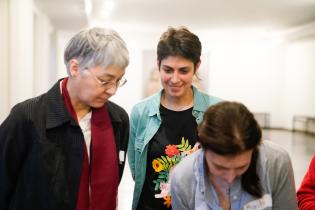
point(174, 139)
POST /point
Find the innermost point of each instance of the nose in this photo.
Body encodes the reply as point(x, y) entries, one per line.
point(111, 90)
point(230, 176)
point(175, 77)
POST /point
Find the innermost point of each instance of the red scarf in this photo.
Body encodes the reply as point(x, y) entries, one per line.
point(103, 177)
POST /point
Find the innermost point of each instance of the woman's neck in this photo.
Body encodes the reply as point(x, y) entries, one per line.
point(81, 112)
point(79, 108)
point(178, 103)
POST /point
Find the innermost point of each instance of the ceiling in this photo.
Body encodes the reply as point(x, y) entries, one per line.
point(201, 14)
point(64, 14)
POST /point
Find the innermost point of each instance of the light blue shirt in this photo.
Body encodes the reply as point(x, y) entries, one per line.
point(145, 121)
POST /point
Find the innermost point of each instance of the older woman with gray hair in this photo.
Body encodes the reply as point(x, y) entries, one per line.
point(66, 149)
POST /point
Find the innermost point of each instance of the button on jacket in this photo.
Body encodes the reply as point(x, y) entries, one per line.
point(41, 152)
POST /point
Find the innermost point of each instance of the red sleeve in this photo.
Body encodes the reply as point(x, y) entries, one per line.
point(306, 192)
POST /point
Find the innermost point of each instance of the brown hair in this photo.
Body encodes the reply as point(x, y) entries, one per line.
point(229, 128)
point(179, 41)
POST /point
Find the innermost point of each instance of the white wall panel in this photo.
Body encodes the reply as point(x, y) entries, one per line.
point(4, 59)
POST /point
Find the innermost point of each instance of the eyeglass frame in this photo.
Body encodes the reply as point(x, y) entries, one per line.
point(119, 83)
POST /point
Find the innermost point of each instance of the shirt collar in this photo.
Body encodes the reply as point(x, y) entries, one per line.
point(156, 100)
point(56, 112)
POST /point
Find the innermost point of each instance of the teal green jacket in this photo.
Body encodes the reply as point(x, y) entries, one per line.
point(145, 120)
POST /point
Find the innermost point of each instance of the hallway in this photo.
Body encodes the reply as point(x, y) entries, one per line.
point(300, 146)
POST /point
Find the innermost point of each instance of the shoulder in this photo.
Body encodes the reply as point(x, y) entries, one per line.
point(204, 97)
point(25, 112)
point(274, 158)
point(273, 151)
point(279, 175)
point(113, 106)
point(312, 164)
point(183, 172)
point(149, 104)
point(43, 102)
point(30, 106)
point(116, 111)
point(183, 182)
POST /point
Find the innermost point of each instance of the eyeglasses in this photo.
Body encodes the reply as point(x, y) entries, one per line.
point(109, 84)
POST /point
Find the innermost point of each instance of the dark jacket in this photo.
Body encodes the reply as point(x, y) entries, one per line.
point(41, 152)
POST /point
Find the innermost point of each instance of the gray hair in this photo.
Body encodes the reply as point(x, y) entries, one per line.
point(97, 47)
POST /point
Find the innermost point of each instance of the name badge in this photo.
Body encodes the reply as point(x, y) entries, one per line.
point(259, 204)
point(121, 156)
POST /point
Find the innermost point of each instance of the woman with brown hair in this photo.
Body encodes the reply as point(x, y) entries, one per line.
point(235, 169)
point(163, 127)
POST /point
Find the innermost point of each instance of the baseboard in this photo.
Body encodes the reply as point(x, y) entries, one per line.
point(286, 129)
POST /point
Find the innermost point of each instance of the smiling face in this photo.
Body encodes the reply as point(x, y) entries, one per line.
point(86, 89)
point(177, 75)
point(227, 168)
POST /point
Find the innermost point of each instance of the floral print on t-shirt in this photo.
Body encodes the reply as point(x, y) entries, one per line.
point(163, 166)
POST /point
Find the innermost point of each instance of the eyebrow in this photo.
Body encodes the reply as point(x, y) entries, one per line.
point(181, 68)
point(220, 166)
point(109, 77)
point(166, 66)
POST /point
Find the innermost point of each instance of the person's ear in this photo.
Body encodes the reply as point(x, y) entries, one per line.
point(74, 67)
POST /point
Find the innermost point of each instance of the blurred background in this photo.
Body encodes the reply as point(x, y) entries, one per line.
point(261, 53)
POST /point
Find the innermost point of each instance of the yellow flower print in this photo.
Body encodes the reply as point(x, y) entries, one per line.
point(157, 166)
point(168, 201)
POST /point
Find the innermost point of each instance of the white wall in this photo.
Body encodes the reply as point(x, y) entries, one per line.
point(42, 53)
point(16, 23)
point(62, 38)
point(300, 79)
point(25, 54)
point(250, 73)
point(258, 78)
point(21, 55)
point(4, 58)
